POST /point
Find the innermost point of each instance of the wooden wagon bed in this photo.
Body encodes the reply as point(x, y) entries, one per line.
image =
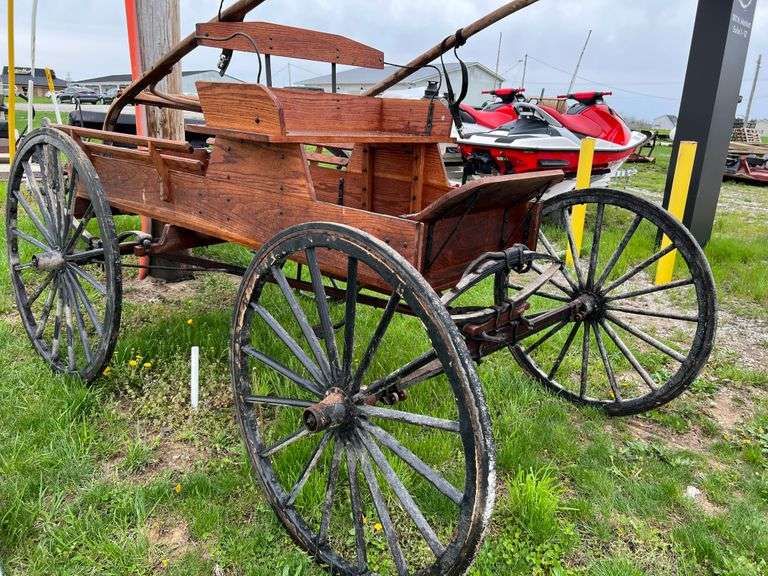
point(262, 173)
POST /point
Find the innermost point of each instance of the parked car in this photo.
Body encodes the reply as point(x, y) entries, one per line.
point(109, 96)
point(83, 95)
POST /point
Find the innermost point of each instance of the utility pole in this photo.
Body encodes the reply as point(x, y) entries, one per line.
point(754, 89)
point(578, 64)
point(498, 58)
point(525, 69)
point(290, 79)
point(159, 29)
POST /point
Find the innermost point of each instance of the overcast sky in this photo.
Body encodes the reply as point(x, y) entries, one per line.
point(638, 49)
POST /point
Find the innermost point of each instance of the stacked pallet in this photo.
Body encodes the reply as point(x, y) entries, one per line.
point(746, 132)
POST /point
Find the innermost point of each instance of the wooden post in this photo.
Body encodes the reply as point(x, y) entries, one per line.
point(159, 29)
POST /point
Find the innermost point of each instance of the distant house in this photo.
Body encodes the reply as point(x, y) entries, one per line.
point(188, 78)
point(23, 76)
point(762, 128)
point(666, 122)
point(357, 80)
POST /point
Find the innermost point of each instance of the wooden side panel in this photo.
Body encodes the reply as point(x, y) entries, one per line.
point(289, 41)
point(228, 210)
point(456, 241)
point(262, 168)
point(249, 107)
point(411, 117)
point(308, 111)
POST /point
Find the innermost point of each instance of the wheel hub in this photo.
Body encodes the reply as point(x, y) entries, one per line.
point(49, 261)
point(332, 411)
point(591, 307)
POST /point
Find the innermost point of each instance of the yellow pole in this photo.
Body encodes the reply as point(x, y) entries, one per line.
point(681, 184)
point(54, 98)
point(11, 85)
point(583, 181)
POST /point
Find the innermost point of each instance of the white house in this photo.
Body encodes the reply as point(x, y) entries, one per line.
point(666, 122)
point(357, 80)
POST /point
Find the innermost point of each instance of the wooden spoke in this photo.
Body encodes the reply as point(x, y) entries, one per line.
point(69, 328)
point(292, 345)
point(357, 507)
point(410, 418)
point(330, 492)
point(564, 289)
point(651, 290)
point(426, 471)
point(383, 512)
point(78, 232)
point(405, 498)
point(639, 268)
point(619, 250)
point(350, 316)
point(56, 342)
point(308, 469)
point(595, 253)
point(301, 318)
point(564, 351)
point(554, 330)
point(583, 379)
point(647, 338)
point(100, 288)
point(30, 239)
point(398, 375)
point(280, 369)
point(550, 249)
point(35, 190)
point(607, 363)
point(547, 295)
point(32, 298)
point(34, 218)
point(566, 215)
point(628, 355)
point(653, 314)
point(84, 340)
point(285, 442)
point(47, 307)
point(272, 401)
point(87, 304)
point(321, 301)
point(373, 346)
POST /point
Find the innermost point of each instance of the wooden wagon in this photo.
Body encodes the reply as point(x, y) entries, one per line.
point(373, 461)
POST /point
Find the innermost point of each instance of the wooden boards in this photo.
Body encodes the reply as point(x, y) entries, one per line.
point(279, 40)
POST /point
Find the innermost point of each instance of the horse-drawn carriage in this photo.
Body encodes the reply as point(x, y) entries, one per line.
point(375, 290)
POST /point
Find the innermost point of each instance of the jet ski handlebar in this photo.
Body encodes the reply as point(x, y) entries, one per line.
point(586, 98)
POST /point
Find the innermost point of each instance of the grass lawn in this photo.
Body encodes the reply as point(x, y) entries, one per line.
point(121, 477)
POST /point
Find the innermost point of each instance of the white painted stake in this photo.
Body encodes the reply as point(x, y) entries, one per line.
point(195, 377)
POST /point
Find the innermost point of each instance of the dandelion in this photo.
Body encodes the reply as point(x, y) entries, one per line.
point(378, 527)
point(133, 363)
point(165, 563)
point(107, 371)
point(139, 358)
point(147, 365)
point(190, 322)
point(177, 488)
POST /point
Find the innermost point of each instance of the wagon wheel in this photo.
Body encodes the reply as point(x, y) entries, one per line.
point(643, 344)
point(65, 270)
point(403, 490)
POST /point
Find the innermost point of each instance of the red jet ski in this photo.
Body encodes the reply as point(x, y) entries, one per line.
point(494, 115)
point(541, 138)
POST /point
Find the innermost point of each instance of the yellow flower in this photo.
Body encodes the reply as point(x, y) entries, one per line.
point(164, 563)
point(132, 363)
point(190, 322)
point(107, 371)
point(147, 365)
point(139, 358)
point(177, 488)
point(378, 527)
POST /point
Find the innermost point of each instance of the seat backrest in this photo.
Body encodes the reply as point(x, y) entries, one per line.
point(275, 39)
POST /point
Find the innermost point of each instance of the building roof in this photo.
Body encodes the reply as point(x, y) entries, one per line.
point(671, 117)
point(373, 75)
point(23, 75)
point(127, 79)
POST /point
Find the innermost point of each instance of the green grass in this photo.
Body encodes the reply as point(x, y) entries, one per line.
point(122, 478)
